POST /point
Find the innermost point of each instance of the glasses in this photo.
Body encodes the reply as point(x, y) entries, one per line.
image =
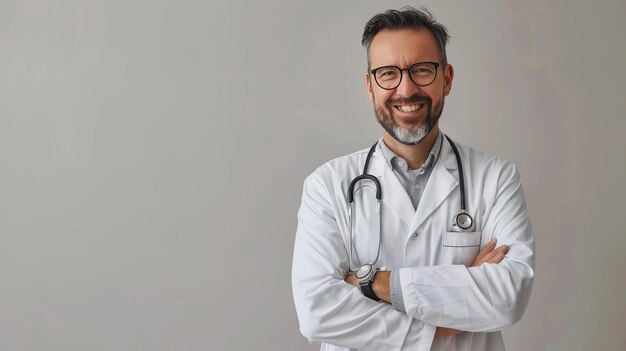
point(421, 73)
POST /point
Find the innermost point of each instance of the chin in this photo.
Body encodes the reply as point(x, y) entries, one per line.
point(410, 137)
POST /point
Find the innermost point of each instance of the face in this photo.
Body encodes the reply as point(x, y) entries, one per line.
point(409, 112)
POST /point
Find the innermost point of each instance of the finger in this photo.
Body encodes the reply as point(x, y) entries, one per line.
point(485, 258)
point(492, 257)
point(487, 249)
point(489, 257)
point(441, 331)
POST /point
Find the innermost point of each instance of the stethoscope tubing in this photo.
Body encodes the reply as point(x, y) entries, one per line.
point(366, 176)
point(461, 174)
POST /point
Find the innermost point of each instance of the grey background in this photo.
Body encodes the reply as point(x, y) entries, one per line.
point(153, 154)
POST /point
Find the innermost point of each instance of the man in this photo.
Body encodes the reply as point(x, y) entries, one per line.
point(435, 288)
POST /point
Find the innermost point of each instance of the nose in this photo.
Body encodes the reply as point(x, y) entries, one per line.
point(407, 87)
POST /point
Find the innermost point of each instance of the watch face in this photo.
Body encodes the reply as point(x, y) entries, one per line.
point(363, 271)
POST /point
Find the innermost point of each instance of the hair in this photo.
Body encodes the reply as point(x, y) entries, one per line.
point(407, 17)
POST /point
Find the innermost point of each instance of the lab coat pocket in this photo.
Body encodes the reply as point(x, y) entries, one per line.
point(460, 247)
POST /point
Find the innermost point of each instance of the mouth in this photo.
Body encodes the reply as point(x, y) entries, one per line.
point(409, 108)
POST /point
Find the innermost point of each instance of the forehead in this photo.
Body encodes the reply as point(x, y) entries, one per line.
point(402, 47)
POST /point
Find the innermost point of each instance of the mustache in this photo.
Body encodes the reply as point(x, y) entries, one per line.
point(413, 99)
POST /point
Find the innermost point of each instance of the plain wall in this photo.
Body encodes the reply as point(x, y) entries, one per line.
point(153, 154)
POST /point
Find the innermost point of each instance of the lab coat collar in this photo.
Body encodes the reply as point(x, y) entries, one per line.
point(440, 184)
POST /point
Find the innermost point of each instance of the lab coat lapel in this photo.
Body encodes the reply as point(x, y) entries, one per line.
point(394, 197)
point(440, 184)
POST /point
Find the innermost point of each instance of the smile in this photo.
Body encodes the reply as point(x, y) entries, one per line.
point(409, 108)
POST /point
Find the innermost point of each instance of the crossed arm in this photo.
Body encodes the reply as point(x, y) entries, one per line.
point(381, 282)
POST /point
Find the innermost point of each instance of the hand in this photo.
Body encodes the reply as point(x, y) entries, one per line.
point(489, 254)
point(351, 279)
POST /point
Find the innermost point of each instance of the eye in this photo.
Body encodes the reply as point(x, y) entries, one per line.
point(422, 70)
point(386, 74)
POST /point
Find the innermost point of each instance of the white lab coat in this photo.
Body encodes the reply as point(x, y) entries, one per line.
point(438, 287)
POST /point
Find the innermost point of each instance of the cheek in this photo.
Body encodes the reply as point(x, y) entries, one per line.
point(436, 95)
point(380, 98)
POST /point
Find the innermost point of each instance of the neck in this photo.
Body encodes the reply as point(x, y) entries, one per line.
point(414, 155)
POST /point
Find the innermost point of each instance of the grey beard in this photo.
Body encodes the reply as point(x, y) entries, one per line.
point(403, 135)
point(409, 137)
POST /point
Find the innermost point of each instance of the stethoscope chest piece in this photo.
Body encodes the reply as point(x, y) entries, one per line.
point(462, 222)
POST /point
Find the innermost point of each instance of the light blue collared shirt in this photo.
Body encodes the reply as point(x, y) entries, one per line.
point(413, 181)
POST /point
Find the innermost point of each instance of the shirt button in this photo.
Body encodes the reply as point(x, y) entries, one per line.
point(414, 236)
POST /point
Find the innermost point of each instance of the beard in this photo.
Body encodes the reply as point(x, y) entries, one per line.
point(412, 135)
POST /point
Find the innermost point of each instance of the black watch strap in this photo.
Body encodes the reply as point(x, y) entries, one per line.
point(366, 288)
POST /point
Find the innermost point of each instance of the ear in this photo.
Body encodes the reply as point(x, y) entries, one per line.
point(368, 84)
point(448, 75)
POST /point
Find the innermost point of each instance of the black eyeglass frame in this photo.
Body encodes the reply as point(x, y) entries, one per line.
point(436, 64)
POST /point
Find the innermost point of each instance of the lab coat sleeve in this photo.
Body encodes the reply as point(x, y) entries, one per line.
point(331, 310)
point(489, 297)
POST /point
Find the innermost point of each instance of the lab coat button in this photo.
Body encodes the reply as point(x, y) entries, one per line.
point(414, 236)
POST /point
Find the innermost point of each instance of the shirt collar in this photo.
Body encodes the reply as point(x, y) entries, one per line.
point(397, 163)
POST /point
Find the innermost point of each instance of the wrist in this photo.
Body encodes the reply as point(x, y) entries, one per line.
point(380, 285)
point(365, 275)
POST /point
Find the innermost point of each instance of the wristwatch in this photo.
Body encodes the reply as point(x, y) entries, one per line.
point(365, 274)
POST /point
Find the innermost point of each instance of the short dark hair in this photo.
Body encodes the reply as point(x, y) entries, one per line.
point(407, 17)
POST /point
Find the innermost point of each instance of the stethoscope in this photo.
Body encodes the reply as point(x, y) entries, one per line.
point(460, 222)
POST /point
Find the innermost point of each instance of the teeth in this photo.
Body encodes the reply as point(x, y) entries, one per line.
point(408, 108)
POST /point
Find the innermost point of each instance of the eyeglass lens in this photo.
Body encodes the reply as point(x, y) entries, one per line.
point(422, 74)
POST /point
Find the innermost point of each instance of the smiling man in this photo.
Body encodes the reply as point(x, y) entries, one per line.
point(409, 111)
point(396, 244)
